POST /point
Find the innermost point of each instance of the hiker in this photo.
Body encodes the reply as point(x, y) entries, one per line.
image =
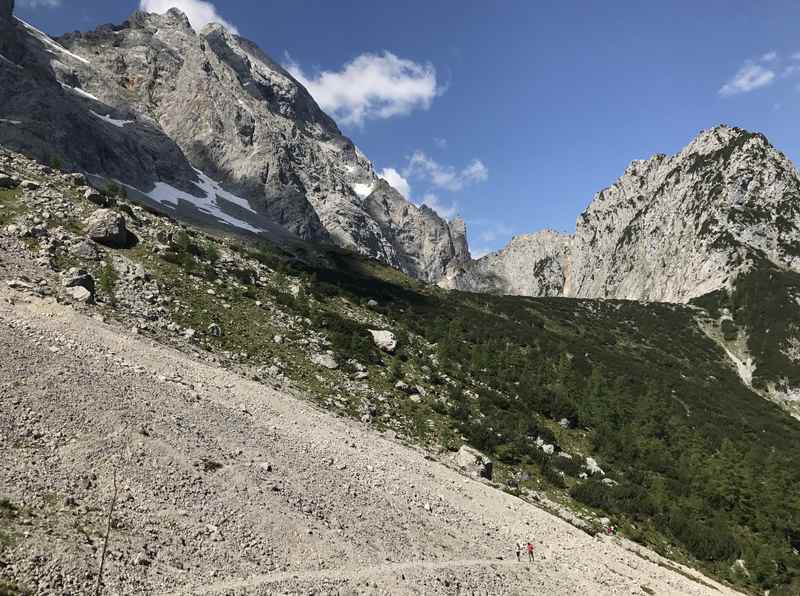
point(530, 552)
point(519, 550)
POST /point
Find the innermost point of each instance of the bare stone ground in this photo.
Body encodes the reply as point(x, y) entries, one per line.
point(230, 487)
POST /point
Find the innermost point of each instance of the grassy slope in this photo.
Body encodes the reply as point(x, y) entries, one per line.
point(705, 468)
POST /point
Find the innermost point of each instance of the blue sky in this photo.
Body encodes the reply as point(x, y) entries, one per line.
point(514, 113)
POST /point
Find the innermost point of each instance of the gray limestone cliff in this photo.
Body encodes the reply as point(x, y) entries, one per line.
point(426, 243)
point(669, 229)
point(208, 126)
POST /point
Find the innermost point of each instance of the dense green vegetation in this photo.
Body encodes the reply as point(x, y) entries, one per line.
point(700, 461)
point(764, 303)
point(703, 469)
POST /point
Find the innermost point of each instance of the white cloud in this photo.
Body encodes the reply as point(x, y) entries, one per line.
point(396, 180)
point(796, 56)
point(769, 57)
point(749, 78)
point(447, 177)
point(444, 210)
point(401, 185)
point(39, 3)
point(199, 12)
point(371, 87)
point(440, 142)
point(423, 168)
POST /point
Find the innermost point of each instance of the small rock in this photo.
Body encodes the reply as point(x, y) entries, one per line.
point(8, 181)
point(77, 179)
point(593, 467)
point(79, 294)
point(95, 196)
point(214, 330)
point(384, 340)
point(325, 361)
point(88, 250)
point(75, 277)
point(30, 185)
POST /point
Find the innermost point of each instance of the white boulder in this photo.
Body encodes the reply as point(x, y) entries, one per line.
point(384, 340)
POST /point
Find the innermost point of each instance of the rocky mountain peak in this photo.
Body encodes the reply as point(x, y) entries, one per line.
point(671, 228)
point(174, 19)
point(207, 127)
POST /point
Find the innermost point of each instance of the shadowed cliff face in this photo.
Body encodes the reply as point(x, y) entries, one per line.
point(245, 121)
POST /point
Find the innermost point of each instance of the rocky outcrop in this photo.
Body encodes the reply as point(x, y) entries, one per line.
point(670, 229)
point(207, 127)
point(531, 265)
point(425, 244)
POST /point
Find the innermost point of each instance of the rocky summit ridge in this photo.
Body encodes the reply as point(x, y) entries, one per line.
point(670, 229)
point(205, 126)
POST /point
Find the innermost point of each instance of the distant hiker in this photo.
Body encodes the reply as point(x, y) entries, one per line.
point(530, 552)
point(519, 550)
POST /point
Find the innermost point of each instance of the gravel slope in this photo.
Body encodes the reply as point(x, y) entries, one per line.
point(230, 487)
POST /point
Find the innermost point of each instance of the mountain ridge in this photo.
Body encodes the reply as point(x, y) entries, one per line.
point(670, 229)
point(151, 102)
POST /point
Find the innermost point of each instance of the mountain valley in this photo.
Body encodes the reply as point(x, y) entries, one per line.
point(237, 361)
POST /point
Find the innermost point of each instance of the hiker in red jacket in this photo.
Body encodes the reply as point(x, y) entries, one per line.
point(530, 552)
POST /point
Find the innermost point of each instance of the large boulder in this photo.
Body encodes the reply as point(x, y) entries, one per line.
point(77, 278)
point(107, 227)
point(384, 340)
point(474, 462)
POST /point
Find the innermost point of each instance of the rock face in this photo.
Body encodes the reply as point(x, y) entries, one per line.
point(531, 265)
point(206, 126)
point(670, 229)
point(424, 243)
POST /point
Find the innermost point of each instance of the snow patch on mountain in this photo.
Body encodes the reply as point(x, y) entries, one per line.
point(45, 39)
point(113, 121)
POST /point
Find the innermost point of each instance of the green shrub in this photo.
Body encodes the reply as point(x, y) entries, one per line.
point(107, 280)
